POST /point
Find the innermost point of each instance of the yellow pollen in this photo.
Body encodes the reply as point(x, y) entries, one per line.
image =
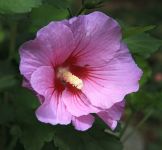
point(67, 76)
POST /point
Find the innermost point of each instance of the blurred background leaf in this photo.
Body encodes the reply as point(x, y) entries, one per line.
point(132, 31)
point(143, 44)
point(94, 139)
point(34, 136)
point(59, 4)
point(44, 14)
point(18, 6)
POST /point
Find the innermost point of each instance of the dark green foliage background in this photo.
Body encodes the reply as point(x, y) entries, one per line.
point(142, 31)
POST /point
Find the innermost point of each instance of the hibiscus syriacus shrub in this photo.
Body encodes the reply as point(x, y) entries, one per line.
point(77, 70)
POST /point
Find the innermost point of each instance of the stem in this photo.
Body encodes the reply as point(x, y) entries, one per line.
point(130, 105)
point(82, 2)
point(12, 143)
point(138, 126)
point(126, 124)
point(81, 10)
point(3, 137)
point(70, 13)
point(13, 32)
point(130, 118)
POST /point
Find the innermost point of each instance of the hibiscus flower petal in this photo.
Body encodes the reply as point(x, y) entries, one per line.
point(26, 83)
point(53, 111)
point(32, 56)
point(113, 114)
point(113, 81)
point(43, 79)
point(78, 104)
point(83, 123)
point(107, 119)
point(52, 45)
point(57, 38)
point(97, 38)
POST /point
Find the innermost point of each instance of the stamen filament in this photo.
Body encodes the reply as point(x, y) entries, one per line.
point(67, 76)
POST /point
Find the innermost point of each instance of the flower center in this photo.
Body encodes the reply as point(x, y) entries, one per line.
point(65, 75)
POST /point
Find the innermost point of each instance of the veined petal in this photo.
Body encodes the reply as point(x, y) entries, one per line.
point(32, 56)
point(78, 104)
point(109, 121)
point(83, 123)
point(109, 84)
point(97, 38)
point(26, 84)
point(116, 111)
point(57, 38)
point(53, 111)
point(112, 115)
point(42, 80)
point(52, 46)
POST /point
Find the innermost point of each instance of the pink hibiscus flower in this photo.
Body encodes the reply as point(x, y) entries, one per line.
point(78, 67)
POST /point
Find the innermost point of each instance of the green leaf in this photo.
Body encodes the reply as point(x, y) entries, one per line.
point(25, 98)
point(6, 113)
point(33, 133)
point(146, 100)
point(145, 68)
point(25, 103)
point(18, 6)
point(2, 35)
point(132, 31)
point(143, 44)
point(49, 146)
point(34, 136)
point(59, 3)
point(15, 131)
point(7, 68)
point(44, 14)
point(67, 138)
point(7, 76)
point(7, 81)
point(91, 4)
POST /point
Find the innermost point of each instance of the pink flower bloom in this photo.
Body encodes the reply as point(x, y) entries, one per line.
point(78, 67)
